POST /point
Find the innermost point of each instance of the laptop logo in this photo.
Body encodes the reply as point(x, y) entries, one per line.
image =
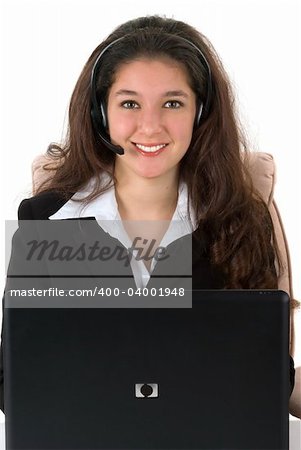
point(143, 390)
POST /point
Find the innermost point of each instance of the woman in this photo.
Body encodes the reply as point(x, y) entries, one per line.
point(153, 137)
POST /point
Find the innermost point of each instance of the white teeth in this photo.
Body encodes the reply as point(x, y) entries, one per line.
point(151, 149)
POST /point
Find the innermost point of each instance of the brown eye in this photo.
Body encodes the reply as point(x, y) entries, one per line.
point(173, 104)
point(130, 104)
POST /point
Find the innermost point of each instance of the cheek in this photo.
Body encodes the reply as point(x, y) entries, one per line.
point(119, 125)
point(181, 131)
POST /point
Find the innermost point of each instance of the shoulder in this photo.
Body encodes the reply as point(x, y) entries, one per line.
point(41, 206)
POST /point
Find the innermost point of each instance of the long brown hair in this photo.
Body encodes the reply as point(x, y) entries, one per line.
point(234, 219)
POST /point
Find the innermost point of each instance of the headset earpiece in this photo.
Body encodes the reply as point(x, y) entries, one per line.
point(199, 115)
point(99, 121)
point(103, 116)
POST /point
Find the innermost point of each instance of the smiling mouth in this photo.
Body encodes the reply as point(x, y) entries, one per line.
point(150, 149)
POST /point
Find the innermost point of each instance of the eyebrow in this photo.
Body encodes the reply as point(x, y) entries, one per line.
point(177, 93)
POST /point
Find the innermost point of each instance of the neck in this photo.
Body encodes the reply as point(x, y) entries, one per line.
point(146, 199)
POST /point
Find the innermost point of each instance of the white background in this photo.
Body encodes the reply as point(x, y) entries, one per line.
point(45, 44)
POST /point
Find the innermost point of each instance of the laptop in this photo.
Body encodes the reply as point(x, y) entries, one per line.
point(211, 376)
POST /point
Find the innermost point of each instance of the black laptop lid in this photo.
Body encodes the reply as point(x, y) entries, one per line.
point(214, 376)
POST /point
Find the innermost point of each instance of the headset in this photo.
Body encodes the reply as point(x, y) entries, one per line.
point(98, 110)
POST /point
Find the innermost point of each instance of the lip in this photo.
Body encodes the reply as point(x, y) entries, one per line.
point(150, 154)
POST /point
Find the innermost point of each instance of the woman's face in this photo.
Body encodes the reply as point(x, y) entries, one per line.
point(151, 113)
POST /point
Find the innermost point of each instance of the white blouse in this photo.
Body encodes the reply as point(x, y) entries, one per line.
point(105, 210)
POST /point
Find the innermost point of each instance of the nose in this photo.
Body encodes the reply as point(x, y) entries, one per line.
point(150, 121)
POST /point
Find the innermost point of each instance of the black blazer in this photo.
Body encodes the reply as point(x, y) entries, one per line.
point(42, 206)
point(204, 276)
